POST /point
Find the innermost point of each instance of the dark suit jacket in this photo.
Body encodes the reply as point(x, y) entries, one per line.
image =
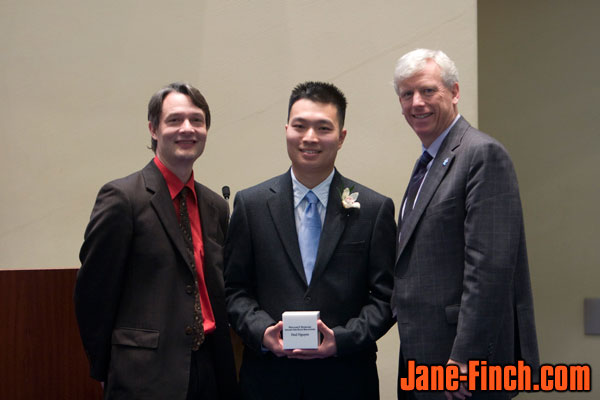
point(462, 287)
point(134, 295)
point(351, 283)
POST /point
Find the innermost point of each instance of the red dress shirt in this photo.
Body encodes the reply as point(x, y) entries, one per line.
point(175, 186)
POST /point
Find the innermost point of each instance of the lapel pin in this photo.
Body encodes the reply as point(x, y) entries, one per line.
point(445, 162)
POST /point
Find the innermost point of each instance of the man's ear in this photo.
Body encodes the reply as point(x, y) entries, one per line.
point(342, 138)
point(152, 130)
point(455, 93)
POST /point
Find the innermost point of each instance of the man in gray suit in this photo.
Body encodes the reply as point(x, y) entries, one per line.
point(149, 296)
point(269, 269)
point(461, 282)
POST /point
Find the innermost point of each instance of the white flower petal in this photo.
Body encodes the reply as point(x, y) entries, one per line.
point(349, 199)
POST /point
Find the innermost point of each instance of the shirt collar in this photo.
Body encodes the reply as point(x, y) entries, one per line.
point(435, 146)
point(173, 183)
point(321, 190)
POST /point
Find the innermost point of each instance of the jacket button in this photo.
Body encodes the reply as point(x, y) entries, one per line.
point(189, 289)
point(189, 330)
point(307, 299)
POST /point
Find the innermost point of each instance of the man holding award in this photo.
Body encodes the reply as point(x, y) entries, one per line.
point(310, 240)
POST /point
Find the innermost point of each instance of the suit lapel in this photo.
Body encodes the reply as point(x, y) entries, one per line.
point(209, 222)
point(163, 205)
point(400, 224)
point(441, 165)
point(333, 227)
point(281, 207)
point(209, 215)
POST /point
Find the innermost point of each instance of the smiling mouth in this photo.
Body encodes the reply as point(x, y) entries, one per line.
point(422, 116)
point(310, 151)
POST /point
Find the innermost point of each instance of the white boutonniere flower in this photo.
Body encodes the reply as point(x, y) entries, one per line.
point(349, 199)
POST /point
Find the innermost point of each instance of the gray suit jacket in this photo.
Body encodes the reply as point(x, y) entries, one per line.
point(461, 282)
point(351, 283)
point(134, 295)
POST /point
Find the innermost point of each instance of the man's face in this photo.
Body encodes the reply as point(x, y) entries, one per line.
point(181, 132)
point(427, 104)
point(314, 137)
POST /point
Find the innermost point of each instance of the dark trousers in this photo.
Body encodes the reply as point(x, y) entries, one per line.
point(266, 377)
point(203, 382)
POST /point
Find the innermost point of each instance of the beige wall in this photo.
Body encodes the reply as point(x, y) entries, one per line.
point(539, 77)
point(77, 75)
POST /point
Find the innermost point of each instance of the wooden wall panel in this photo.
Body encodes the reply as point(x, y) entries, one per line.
point(41, 356)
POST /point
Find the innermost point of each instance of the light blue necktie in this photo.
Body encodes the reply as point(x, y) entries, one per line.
point(309, 235)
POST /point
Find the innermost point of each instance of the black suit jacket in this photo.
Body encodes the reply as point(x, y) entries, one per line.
point(351, 283)
point(462, 288)
point(134, 295)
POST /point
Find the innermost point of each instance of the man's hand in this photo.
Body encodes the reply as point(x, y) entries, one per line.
point(327, 348)
point(462, 392)
point(273, 342)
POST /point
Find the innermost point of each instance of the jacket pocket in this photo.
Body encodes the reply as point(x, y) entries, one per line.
point(136, 337)
point(452, 313)
point(444, 207)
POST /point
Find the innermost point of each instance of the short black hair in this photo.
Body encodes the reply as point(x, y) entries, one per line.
point(320, 92)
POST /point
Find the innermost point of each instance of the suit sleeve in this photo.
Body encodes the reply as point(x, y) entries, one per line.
point(245, 314)
point(103, 257)
point(492, 229)
point(375, 317)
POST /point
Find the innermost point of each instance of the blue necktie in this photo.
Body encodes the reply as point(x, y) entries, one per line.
point(309, 235)
point(415, 183)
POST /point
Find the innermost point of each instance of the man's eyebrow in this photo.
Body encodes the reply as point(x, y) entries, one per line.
point(179, 113)
point(318, 121)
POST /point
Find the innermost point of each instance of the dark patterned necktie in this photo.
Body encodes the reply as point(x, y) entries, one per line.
point(197, 328)
point(415, 183)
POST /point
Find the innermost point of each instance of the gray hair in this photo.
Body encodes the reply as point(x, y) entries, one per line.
point(414, 61)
